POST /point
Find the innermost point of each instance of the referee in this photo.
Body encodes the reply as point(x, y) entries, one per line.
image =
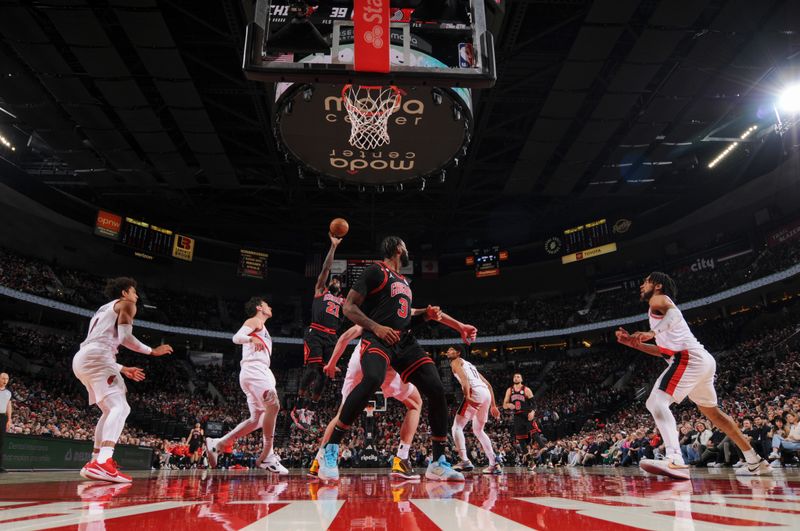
point(5, 416)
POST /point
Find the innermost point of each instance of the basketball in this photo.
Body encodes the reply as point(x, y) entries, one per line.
point(339, 227)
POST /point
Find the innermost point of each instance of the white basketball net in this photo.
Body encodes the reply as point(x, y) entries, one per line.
point(369, 109)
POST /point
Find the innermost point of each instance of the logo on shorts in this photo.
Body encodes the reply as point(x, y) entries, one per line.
point(111, 379)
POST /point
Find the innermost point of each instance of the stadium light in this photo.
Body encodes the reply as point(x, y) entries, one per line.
point(7, 143)
point(789, 100)
point(725, 152)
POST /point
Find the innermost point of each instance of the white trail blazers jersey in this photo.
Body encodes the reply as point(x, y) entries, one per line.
point(679, 337)
point(473, 377)
point(251, 355)
point(103, 329)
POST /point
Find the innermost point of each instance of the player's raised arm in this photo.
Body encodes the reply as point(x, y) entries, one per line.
point(322, 279)
point(468, 332)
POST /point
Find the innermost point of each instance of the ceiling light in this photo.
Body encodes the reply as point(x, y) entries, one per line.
point(725, 152)
point(789, 100)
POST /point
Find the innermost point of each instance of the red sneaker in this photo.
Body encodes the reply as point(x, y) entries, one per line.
point(106, 472)
point(87, 465)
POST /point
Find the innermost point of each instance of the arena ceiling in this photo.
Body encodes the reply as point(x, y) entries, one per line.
point(611, 107)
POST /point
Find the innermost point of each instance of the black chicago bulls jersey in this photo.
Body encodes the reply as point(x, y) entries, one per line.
point(387, 296)
point(326, 311)
point(521, 404)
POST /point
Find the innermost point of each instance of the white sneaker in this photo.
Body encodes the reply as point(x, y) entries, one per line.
point(776, 464)
point(715, 465)
point(273, 464)
point(739, 464)
point(495, 469)
point(463, 466)
point(774, 455)
point(755, 469)
point(665, 468)
point(440, 470)
point(211, 451)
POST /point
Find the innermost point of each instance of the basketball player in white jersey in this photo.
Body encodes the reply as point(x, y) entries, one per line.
point(258, 384)
point(690, 373)
point(96, 367)
point(392, 387)
point(477, 404)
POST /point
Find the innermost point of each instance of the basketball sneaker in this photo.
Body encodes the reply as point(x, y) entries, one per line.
point(441, 470)
point(273, 464)
point(667, 467)
point(83, 470)
point(494, 469)
point(106, 472)
point(329, 467)
point(463, 466)
point(211, 452)
point(754, 469)
point(401, 468)
point(314, 470)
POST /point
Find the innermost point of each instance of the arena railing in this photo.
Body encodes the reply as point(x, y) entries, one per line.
point(542, 334)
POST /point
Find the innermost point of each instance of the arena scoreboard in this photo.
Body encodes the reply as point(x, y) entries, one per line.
point(587, 241)
point(144, 239)
point(253, 264)
point(487, 261)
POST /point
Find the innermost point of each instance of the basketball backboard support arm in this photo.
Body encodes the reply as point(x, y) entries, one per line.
point(258, 63)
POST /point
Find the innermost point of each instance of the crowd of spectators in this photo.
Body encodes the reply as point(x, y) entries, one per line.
point(527, 312)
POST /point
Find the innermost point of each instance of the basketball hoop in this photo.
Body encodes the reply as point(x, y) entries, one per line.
point(369, 109)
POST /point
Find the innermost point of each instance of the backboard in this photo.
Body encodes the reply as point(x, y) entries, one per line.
point(433, 51)
point(285, 33)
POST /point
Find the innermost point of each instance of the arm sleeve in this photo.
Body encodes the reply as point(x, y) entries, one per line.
point(371, 278)
point(127, 339)
point(242, 337)
point(670, 318)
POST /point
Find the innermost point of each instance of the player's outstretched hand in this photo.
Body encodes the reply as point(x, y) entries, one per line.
point(331, 370)
point(258, 345)
point(132, 373)
point(623, 336)
point(334, 240)
point(386, 334)
point(642, 337)
point(494, 412)
point(433, 313)
point(161, 350)
point(468, 333)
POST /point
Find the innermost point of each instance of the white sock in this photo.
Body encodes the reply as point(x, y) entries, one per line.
point(106, 452)
point(752, 457)
point(402, 450)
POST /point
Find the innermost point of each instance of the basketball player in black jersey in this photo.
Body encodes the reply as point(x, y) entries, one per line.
point(380, 302)
point(519, 399)
point(320, 336)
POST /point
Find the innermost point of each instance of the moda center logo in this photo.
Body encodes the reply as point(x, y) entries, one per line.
point(352, 161)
